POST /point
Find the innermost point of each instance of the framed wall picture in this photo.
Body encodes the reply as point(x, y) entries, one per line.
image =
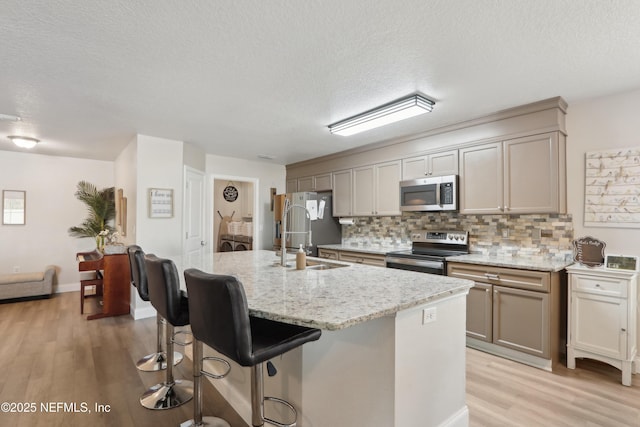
point(14, 207)
point(621, 262)
point(160, 203)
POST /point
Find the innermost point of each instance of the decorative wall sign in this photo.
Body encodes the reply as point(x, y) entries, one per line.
point(160, 203)
point(230, 192)
point(589, 251)
point(612, 188)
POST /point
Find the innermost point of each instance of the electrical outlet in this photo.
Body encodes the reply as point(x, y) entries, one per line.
point(505, 233)
point(428, 315)
point(16, 269)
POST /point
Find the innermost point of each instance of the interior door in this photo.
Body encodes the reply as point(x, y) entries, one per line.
point(194, 213)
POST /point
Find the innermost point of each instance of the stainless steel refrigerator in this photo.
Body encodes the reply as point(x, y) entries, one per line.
point(325, 229)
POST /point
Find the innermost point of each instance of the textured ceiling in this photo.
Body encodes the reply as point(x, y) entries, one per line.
point(243, 78)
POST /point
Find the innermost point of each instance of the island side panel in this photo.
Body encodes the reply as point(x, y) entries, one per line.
point(430, 365)
point(348, 376)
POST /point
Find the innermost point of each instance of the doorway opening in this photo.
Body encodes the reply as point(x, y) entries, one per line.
point(233, 214)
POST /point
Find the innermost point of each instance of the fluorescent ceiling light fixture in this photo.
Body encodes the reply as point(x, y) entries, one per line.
point(24, 141)
point(10, 118)
point(389, 113)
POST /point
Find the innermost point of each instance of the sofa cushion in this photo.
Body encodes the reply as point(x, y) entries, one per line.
point(21, 278)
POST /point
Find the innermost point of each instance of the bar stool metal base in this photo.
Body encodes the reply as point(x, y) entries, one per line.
point(208, 422)
point(157, 362)
point(165, 396)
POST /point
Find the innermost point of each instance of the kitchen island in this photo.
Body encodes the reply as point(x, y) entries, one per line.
point(392, 351)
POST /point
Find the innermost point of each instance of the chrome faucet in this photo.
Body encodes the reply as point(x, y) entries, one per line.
point(283, 236)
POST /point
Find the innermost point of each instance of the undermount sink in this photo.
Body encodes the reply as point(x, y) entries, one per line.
point(322, 265)
point(313, 264)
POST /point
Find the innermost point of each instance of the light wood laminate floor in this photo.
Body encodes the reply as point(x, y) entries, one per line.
point(50, 354)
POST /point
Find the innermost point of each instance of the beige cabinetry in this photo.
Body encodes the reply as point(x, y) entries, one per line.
point(292, 185)
point(366, 258)
point(328, 253)
point(315, 183)
point(521, 175)
point(375, 190)
point(481, 185)
point(431, 164)
point(342, 193)
point(515, 313)
point(602, 317)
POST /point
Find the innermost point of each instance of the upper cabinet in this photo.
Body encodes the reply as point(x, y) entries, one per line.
point(522, 175)
point(374, 192)
point(315, 183)
point(376, 189)
point(342, 190)
point(292, 185)
point(432, 164)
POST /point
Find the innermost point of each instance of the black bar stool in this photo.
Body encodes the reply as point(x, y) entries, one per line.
point(171, 303)
point(220, 318)
point(155, 361)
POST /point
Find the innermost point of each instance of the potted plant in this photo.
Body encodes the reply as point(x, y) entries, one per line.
point(101, 208)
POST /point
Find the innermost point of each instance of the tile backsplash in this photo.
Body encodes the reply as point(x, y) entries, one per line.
point(535, 235)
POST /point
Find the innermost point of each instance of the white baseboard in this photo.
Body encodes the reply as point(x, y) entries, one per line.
point(142, 312)
point(67, 287)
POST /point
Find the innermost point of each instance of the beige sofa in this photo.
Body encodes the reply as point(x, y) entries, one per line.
point(21, 285)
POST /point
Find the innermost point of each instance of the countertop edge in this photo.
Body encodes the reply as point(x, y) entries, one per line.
point(516, 263)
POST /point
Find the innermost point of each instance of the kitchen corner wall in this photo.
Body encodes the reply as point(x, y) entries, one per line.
point(544, 236)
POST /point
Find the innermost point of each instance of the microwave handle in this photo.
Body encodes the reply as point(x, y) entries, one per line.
point(438, 199)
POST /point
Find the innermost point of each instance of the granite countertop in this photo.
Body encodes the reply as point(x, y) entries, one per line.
point(371, 249)
point(326, 299)
point(540, 264)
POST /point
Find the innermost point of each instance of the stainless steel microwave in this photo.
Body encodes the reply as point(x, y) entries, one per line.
point(436, 193)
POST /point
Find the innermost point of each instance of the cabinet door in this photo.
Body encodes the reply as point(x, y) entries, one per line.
point(322, 182)
point(415, 167)
point(599, 324)
point(305, 184)
point(387, 185)
point(521, 320)
point(342, 193)
point(363, 191)
point(531, 174)
point(444, 163)
point(292, 185)
point(479, 312)
point(481, 185)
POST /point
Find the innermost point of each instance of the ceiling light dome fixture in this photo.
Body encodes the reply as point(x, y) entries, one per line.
point(24, 141)
point(401, 109)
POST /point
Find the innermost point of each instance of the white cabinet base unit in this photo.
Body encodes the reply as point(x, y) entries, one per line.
point(517, 314)
point(602, 317)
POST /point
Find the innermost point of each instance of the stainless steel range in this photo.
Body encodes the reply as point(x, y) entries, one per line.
point(429, 250)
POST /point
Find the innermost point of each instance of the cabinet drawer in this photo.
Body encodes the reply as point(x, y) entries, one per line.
point(328, 253)
point(609, 286)
point(509, 277)
point(363, 258)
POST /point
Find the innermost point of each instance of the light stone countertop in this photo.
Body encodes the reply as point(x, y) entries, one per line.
point(371, 249)
point(326, 299)
point(540, 264)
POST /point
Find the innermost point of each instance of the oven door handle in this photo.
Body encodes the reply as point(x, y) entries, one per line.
point(416, 262)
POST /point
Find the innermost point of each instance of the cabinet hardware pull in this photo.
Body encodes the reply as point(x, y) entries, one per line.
point(624, 330)
point(492, 276)
point(597, 285)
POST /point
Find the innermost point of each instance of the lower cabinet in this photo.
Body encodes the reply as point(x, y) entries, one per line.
point(602, 317)
point(366, 258)
point(515, 313)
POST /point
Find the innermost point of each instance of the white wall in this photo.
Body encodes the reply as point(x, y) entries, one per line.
point(50, 183)
point(160, 165)
point(599, 124)
point(267, 176)
point(126, 171)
